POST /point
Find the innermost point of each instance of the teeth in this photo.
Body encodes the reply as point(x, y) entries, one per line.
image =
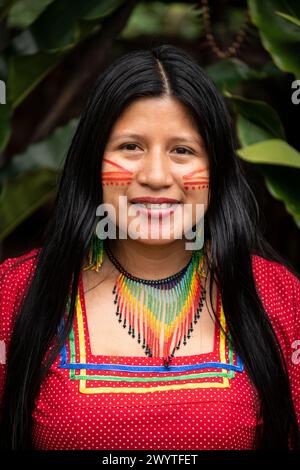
point(149, 205)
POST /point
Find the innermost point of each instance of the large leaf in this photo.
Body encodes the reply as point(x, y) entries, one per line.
point(48, 154)
point(5, 6)
point(283, 184)
point(228, 73)
point(272, 152)
point(25, 12)
point(25, 72)
point(257, 121)
point(289, 18)
point(257, 125)
point(281, 38)
point(5, 128)
point(22, 196)
point(30, 179)
point(59, 26)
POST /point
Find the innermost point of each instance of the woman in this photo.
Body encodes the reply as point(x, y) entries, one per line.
point(135, 341)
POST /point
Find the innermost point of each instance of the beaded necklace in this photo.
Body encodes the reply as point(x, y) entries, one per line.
point(183, 302)
point(149, 307)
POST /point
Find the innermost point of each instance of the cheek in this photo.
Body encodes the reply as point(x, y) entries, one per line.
point(115, 179)
point(197, 196)
point(195, 184)
point(197, 179)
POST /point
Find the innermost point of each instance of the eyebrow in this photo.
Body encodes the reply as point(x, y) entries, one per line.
point(137, 136)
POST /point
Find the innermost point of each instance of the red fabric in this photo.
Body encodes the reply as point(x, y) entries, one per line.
point(176, 410)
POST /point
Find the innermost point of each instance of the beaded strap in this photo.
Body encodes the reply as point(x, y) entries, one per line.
point(155, 282)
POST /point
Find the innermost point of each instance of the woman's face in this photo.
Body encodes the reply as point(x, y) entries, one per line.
point(155, 151)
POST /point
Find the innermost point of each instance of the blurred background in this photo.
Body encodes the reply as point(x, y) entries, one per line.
point(51, 52)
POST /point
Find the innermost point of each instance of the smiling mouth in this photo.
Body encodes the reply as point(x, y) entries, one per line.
point(154, 206)
point(156, 210)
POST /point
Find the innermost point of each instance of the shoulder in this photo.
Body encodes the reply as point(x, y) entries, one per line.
point(279, 290)
point(15, 275)
point(15, 271)
point(275, 280)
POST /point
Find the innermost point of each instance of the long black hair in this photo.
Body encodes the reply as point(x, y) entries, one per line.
point(231, 224)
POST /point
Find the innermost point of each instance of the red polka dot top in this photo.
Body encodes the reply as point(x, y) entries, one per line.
point(201, 402)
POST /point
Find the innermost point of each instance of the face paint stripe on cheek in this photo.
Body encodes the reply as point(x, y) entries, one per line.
point(200, 180)
point(205, 186)
point(194, 180)
point(116, 178)
point(117, 165)
point(192, 173)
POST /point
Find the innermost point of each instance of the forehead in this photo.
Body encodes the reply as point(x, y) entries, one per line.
point(165, 115)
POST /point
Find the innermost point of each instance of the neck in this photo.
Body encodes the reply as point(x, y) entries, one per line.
point(150, 261)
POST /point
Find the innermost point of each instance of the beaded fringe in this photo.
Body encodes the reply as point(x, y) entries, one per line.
point(148, 309)
point(152, 309)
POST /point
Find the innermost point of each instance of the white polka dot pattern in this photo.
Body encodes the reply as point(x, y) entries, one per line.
point(205, 416)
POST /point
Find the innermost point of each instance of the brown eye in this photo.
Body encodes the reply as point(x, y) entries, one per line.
point(183, 148)
point(127, 145)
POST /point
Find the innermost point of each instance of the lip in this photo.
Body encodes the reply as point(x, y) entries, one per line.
point(154, 200)
point(153, 213)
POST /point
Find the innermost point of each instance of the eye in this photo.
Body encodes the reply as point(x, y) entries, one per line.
point(184, 148)
point(127, 145)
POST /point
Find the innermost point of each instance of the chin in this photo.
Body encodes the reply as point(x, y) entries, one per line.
point(154, 241)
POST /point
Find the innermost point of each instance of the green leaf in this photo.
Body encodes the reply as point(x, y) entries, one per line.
point(5, 6)
point(25, 12)
point(257, 121)
point(5, 125)
point(283, 184)
point(30, 178)
point(48, 154)
point(229, 73)
point(289, 18)
point(271, 152)
point(250, 133)
point(281, 38)
point(100, 9)
point(25, 72)
point(59, 25)
point(22, 196)
point(59, 28)
point(257, 125)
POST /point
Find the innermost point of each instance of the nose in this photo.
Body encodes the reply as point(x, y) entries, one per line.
point(155, 170)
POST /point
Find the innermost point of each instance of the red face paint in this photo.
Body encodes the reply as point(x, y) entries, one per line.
point(194, 180)
point(117, 177)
